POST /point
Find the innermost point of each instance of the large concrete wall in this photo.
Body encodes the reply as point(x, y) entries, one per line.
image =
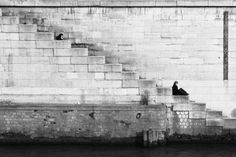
point(79, 124)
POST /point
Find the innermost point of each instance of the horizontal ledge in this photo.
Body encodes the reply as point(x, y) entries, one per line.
point(122, 6)
point(81, 107)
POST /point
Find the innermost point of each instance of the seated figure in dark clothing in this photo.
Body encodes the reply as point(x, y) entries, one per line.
point(60, 37)
point(176, 91)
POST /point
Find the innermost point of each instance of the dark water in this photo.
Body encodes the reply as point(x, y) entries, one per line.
point(191, 150)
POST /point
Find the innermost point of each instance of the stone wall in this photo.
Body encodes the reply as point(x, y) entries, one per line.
point(166, 44)
point(79, 124)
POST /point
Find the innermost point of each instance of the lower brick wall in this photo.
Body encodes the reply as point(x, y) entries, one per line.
point(63, 123)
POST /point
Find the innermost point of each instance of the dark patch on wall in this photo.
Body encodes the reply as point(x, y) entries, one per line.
point(138, 115)
point(126, 124)
point(145, 98)
point(9, 81)
point(67, 111)
point(92, 115)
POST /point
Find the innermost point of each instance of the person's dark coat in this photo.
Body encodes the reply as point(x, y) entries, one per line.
point(176, 91)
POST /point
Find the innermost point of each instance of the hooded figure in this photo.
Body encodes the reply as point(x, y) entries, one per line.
point(60, 37)
point(176, 91)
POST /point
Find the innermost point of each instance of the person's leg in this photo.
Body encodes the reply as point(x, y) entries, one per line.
point(182, 92)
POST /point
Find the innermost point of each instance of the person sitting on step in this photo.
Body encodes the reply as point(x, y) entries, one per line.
point(59, 37)
point(176, 91)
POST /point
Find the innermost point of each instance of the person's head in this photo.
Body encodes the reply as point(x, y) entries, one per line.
point(176, 83)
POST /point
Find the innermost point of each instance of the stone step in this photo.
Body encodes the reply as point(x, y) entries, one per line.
point(172, 99)
point(121, 76)
point(68, 91)
point(54, 44)
point(56, 29)
point(15, 28)
point(213, 114)
point(130, 76)
point(63, 83)
point(112, 60)
point(70, 35)
point(96, 60)
point(91, 60)
point(75, 99)
point(105, 68)
point(129, 67)
point(147, 83)
point(216, 122)
point(9, 20)
point(189, 107)
point(229, 123)
point(71, 52)
point(158, 91)
point(37, 36)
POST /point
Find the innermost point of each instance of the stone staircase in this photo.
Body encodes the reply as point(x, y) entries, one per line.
point(35, 68)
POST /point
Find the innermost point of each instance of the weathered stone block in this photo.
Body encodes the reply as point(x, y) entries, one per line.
point(76, 52)
point(23, 44)
point(5, 44)
point(79, 60)
point(113, 76)
point(229, 123)
point(130, 83)
point(113, 67)
point(9, 36)
point(197, 114)
point(37, 36)
point(10, 28)
point(96, 60)
point(151, 91)
point(214, 130)
point(27, 36)
point(27, 28)
point(147, 83)
point(99, 76)
point(9, 20)
point(20, 60)
point(35, 52)
point(190, 107)
point(213, 114)
point(54, 44)
point(48, 52)
point(45, 44)
point(215, 122)
point(62, 44)
point(164, 91)
point(180, 99)
point(96, 68)
point(44, 36)
point(130, 76)
point(60, 60)
point(81, 68)
point(66, 68)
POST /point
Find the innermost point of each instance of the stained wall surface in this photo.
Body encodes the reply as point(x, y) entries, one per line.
point(79, 124)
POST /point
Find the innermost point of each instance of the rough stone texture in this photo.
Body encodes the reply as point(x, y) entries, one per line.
point(159, 3)
point(229, 123)
point(75, 123)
